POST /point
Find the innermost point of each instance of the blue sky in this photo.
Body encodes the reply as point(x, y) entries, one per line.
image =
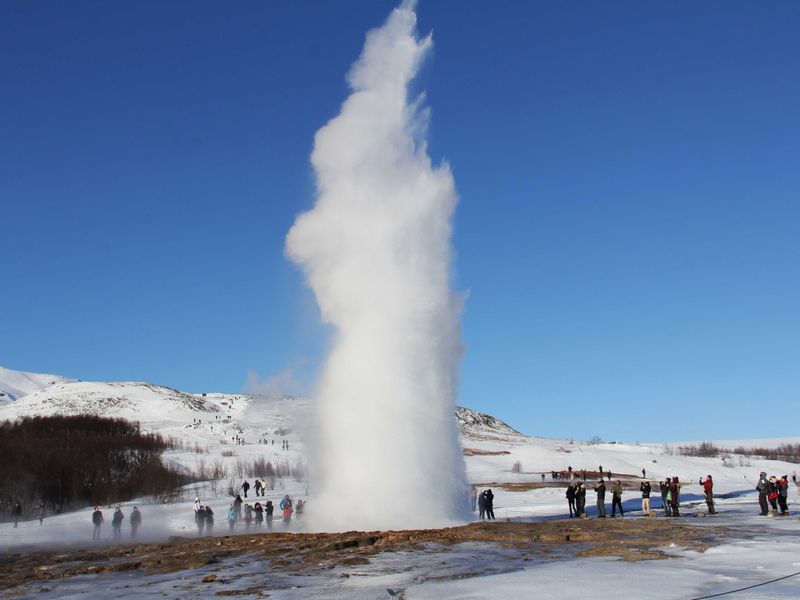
point(628, 231)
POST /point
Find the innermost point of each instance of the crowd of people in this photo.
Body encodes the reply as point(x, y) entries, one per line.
point(484, 502)
point(116, 522)
point(772, 492)
point(255, 515)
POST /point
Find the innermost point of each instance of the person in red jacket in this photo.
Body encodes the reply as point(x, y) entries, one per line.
point(708, 486)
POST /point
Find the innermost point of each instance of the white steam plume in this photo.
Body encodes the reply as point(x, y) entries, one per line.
point(376, 252)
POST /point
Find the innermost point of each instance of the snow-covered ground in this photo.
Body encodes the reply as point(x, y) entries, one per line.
point(232, 429)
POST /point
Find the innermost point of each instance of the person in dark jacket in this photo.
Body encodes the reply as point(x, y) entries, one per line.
point(763, 489)
point(481, 505)
point(663, 487)
point(136, 521)
point(17, 512)
point(600, 490)
point(674, 494)
point(245, 487)
point(97, 521)
point(200, 519)
point(772, 495)
point(708, 488)
point(209, 521)
point(269, 509)
point(237, 505)
point(645, 488)
point(259, 512)
point(616, 499)
point(116, 523)
point(783, 494)
point(571, 500)
point(580, 500)
point(489, 504)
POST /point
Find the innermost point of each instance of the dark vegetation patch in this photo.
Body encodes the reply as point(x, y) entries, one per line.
point(67, 462)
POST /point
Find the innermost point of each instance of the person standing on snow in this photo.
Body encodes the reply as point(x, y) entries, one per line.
point(580, 500)
point(616, 499)
point(571, 500)
point(473, 497)
point(231, 517)
point(97, 521)
point(136, 521)
point(287, 514)
point(783, 494)
point(675, 495)
point(645, 489)
point(763, 489)
point(664, 488)
point(116, 523)
point(600, 490)
point(772, 495)
point(17, 512)
point(708, 488)
point(269, 509)
point(237, 505)
point(489, 504)
point(245, 487)
point(482, 505)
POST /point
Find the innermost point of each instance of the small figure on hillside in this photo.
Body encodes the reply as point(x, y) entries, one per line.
point(601, 471)
point(17, 512)
point(580, 501)
point(675, 497)
point(542, 480)
point(473, 497)
point(489, 504)
point(237, 505)
point(97, 521)
point(258, 511)
point(42, 513)
point(116, 523)
point(708, 488)
point(232, 516)
point(248, 516)
point(269, 509)
point(664, 489)
point(209, 521)
point(245, 487)
point(481, 505)
point(600, 490)
point(644, 473)
point(645, 489)
point(763, 489)
point(136, 521)
point(616, 499)
point(570, 494)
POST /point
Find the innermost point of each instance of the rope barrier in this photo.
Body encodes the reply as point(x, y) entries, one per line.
point(749, 587)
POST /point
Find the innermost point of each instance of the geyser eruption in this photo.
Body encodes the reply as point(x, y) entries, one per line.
point(376, 252)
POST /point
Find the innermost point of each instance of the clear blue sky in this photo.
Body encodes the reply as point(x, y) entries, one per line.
point(629, 225)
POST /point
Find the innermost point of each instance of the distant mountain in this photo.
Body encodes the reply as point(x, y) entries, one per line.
point(157, 406)
point(17, 384)
point(480, 426)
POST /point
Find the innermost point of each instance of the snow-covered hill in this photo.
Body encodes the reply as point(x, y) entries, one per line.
point(16, 384)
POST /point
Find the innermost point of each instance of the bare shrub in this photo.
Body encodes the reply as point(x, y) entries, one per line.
point(228, 453)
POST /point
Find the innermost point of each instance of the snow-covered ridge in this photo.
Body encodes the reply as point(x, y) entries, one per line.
point(477, 425)
point(17, 384)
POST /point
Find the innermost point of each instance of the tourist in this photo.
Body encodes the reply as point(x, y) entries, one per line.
point(116, 523)
point(616, 499)
point(489, 504)
point(645, 488)
point(664, 488)
point(97, 520)
point(708, 488)
point(269, 509)
point(600, 490)
point(481, 505)
point(232, 516)
point(763, 490)
point(580, 500)
point(136, 521)
point(675, 494)
point(571, 500)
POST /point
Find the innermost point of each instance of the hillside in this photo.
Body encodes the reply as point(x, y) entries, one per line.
point(17, 384)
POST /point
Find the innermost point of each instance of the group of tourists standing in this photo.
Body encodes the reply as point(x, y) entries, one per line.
point(256, 514)
point(775, 491)
point(484, 502)
point(116, 522)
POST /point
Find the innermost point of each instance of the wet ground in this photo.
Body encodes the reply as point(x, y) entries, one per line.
point(229, 562)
